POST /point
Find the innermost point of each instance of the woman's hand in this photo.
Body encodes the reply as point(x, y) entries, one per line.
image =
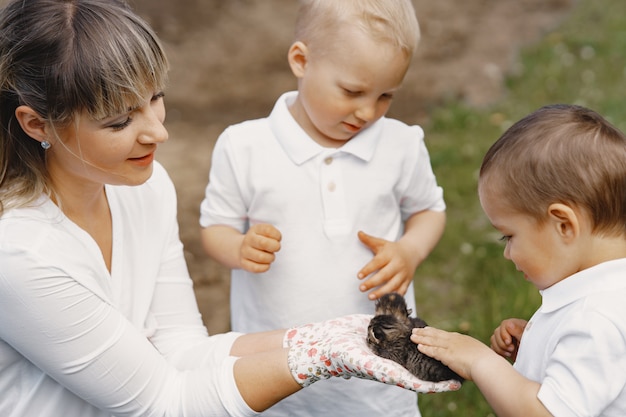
point(338, 347)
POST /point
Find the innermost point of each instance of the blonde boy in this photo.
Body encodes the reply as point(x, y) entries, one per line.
point(347, 195)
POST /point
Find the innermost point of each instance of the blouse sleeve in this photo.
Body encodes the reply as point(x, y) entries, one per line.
point(70, 331)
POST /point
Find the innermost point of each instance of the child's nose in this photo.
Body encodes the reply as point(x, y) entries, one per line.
point(366, 112)
point(507, 254)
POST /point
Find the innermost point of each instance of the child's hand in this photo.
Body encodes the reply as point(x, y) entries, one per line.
point(506, 337)
point(258, 248)
point(393, 266)
point(459, 352)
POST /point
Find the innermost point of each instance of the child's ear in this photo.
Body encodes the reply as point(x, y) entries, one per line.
point(565, 220)
point(298, 56)
point(31, 122)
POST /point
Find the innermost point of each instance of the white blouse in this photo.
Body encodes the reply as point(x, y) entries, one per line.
point(78, 341)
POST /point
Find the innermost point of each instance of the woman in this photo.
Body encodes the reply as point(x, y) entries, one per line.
point(98, 311)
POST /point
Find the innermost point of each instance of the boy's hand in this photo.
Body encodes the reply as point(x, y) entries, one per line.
point(459, 352)
point(259, 246)
point(392, 265)
point(506, 337)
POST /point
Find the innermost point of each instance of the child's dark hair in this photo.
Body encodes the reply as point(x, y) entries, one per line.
point(561, 153)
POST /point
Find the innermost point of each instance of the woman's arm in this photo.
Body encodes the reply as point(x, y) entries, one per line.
point(264, 378)
point(332, 348)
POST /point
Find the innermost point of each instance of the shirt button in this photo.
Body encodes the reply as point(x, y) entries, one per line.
point(331, 186)
point(328, 160)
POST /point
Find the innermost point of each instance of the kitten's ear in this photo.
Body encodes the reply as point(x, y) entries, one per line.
point(379, 334)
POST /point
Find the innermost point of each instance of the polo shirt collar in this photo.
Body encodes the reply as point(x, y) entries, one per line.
point(607, 276)
point(299, 146)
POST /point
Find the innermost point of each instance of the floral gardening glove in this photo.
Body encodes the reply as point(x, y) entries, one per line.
point(338, 347)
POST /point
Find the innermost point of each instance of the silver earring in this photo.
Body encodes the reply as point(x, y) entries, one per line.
point(45, 145)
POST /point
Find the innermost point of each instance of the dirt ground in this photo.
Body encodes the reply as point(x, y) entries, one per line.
point(229, 64)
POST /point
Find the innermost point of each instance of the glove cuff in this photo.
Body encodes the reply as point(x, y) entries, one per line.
point(307, 365)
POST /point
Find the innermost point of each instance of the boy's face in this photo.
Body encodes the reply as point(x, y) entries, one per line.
point(346, 87)
point(536, 249)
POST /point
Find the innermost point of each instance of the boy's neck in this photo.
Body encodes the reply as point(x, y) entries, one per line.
point(602, 249)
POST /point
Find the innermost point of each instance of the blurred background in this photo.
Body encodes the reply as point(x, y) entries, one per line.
point(229, 64)
point(481, 65)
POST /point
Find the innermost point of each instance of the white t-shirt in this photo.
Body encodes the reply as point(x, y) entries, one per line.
point(575, 344)
point(270, 171)
point(76, 341)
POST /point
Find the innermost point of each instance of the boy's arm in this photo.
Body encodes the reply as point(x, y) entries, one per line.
point(253, 251)
point(394, 263)
point(422, 232)
point(506, 390)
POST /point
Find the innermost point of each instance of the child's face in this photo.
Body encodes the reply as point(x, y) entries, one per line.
point(535, 248)
point(347, 87)
point(116, 150)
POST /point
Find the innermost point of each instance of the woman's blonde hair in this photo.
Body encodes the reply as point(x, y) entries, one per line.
point(62, 58)
point(561, 154)
point(392, 21)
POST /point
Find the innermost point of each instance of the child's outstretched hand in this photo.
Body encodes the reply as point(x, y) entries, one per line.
point(506, 337)
point(260, 243)
point(392, 265)
point(461, 353)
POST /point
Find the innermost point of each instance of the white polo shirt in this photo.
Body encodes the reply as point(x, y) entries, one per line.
point(270, 171)
point(575, 344)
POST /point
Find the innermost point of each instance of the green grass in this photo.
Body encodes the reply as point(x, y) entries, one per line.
point(466, 285)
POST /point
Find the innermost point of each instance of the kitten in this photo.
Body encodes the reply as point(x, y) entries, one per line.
point(389, 335)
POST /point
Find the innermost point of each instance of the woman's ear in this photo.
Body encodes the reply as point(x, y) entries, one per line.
point(565, 220)
point(298, 56)
point(32, 123)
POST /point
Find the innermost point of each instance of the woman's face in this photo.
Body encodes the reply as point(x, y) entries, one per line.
point(117, 150)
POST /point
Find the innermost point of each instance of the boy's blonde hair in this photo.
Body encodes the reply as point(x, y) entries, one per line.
point(394, 21)
point(561, 154)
